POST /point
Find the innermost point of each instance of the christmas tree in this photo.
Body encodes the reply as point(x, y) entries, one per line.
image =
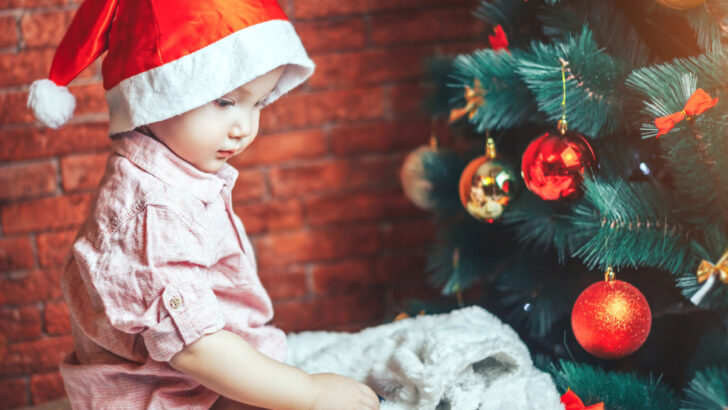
point(596, 144)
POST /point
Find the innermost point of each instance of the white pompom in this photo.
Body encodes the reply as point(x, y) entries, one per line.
point(52, 105)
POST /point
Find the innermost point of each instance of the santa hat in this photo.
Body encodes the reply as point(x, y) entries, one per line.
point(166, 57)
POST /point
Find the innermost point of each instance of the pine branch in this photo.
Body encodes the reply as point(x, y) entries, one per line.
point(536, 293)
point(611, 28)
point(659, 82)
point(437, 71)
point(707, 390)
point(593, 83)
point(442, 171)
point(516, 17)
point(537, 224)
point(618, 391)
point(467, 239)
point(694, 150)
point(706, 29)
point(508, 102)
point(711, 247)
point(630, 225)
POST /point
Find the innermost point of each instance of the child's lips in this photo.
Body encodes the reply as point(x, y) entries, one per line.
point(225, 153)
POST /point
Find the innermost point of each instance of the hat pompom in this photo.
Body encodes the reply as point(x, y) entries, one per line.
point(52, 104)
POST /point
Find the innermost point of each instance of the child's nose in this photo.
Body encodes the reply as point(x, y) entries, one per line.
point(240, 129)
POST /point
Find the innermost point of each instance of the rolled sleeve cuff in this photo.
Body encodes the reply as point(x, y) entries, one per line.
point(190, 313)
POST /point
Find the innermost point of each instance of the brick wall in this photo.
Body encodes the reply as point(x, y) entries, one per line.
point(338, 245)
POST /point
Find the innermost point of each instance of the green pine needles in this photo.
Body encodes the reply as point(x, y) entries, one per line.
point(618, 391)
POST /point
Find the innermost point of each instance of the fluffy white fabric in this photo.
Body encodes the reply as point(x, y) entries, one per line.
point(464, 360)
point(52, 104)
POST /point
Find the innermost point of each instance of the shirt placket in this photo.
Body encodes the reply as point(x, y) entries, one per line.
point(227, 199)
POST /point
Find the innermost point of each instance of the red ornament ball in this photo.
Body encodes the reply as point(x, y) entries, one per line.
point(611, 319)
point(553, 165)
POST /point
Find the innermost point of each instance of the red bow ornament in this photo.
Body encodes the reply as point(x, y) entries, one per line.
point(572, 402)
point(698, 103)
point(498, 40)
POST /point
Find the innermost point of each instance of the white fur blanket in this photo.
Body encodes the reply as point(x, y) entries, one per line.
point(464, 360)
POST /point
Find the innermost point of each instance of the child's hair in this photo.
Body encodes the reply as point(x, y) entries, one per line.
point(153, 74)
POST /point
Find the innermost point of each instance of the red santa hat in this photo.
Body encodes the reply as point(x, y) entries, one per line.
point(166, 57)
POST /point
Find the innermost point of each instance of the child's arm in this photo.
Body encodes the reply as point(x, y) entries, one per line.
point(229, 365)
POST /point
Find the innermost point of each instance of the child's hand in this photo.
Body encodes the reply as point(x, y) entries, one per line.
point(335, 392)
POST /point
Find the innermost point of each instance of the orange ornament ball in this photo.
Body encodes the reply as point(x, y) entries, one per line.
point(611, 319)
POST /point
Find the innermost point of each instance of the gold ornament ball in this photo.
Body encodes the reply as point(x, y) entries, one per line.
point(487, 186)
point(680, 4)
point(412, 176)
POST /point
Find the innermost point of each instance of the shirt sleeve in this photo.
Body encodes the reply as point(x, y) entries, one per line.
point(151, 282)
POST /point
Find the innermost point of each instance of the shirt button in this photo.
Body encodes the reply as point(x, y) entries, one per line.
point(175, 302)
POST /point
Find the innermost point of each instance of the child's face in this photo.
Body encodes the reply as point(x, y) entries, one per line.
point(229, 123)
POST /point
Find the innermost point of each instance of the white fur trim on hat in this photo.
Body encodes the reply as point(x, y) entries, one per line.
point(52, 104)
point(200, 77)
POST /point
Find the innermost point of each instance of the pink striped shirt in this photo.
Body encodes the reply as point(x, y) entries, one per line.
point(161, 261)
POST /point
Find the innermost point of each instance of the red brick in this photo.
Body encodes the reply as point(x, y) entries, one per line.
point(16, 253)
point(379, 137)
point(403, 266)
point(328, 312)
point(24, 67)
point(11, 4)
point(278, 249)
point(461, 47)
point(410, 233)
point(369, 67)
point(345, 276)
point(407, 100)
point(8, 32)
point(55, 316)
point(82, 171)
point(21, 323)
point(308, 109)
point(305, 9)
point(14, 393)
point(37, 285)
point(277, 148)
point(283, 283)
point(90, 98)
point(31, 142)
point(353, 206)
point(36, 356)
point(326, 35)
point(423, 291)
point(47, 213)
point(53, 247)
point(271, 215)
point(45, 29)
point(14, 109)
point(27, 180)
point(46, 387)
point(327, 176)
point(425, 26)
point(249, 185)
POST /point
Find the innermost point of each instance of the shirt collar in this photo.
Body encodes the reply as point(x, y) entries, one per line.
point(155, 158)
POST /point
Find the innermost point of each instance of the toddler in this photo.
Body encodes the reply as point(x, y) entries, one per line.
point(166, 307)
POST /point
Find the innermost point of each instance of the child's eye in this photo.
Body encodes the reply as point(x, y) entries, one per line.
point(224, 102)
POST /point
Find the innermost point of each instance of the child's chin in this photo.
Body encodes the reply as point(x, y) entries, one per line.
point(211, 168)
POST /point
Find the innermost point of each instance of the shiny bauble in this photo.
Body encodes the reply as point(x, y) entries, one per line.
point(415, 185)
point(611, 319)
point(680, 4)
point(487, 185)
point(553, 165)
